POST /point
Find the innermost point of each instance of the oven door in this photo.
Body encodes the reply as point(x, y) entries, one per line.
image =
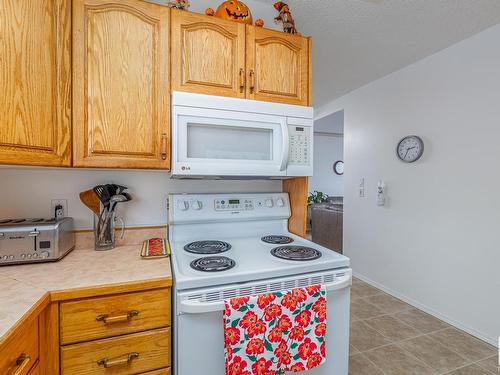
point(198, 332)
point(211, 142)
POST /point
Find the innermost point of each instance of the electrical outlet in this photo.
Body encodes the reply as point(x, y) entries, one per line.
point(59, 208)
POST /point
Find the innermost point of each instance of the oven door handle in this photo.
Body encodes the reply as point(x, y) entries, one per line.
point(197, 307)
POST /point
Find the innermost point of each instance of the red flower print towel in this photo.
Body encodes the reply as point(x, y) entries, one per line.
point(275, 333)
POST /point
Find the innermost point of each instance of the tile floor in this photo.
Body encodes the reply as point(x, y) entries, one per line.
point(391, 337)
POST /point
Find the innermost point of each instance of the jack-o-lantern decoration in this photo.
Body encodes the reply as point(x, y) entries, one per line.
point(234, 10)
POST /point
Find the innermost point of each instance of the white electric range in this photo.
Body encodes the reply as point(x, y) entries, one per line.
point(228, 245)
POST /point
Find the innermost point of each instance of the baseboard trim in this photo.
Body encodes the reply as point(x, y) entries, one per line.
point(480, 335)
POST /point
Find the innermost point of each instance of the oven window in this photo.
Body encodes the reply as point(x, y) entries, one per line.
point(227, 142)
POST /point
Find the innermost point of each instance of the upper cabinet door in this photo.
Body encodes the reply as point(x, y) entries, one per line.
point(208, 55)
point(121, 96)
point(278, 67)
point(35, 82)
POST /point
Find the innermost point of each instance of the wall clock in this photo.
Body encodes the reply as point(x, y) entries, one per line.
point(410, 149)
point(338, 167)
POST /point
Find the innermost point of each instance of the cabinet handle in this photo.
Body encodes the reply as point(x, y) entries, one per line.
point(107, 363)
point(252, 80)
point(164, 146)
point(105, 318)
point(242, 80)
point(22, 364)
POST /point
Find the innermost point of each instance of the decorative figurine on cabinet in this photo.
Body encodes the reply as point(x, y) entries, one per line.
point(179, 4)
point(259, 22)
point(234, 10)
point(285, 17)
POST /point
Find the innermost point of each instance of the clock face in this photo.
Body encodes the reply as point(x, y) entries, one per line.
point(410, 149)
point(338, 167)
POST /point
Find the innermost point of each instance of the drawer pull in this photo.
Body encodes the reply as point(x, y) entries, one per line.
point(107, 363)
point(164, 146)
point(105, 318)
point(22, 364)
point(252, 80)
point(242, 80)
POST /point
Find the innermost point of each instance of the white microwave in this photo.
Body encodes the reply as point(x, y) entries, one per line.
point(214, 136)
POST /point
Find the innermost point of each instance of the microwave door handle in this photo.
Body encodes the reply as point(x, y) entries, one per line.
point(285, 146)
point(197, 307)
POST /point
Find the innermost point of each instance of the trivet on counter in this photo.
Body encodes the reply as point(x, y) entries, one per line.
point(155, 248)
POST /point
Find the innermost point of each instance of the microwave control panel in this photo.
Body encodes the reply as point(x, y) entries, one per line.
point(300, 145)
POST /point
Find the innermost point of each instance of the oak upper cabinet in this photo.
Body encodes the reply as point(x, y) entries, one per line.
point(35, 82)
point(208, 55)
point(278, 66)
point(121, 95)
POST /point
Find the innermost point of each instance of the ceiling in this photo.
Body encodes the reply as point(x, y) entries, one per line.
point(358, 41)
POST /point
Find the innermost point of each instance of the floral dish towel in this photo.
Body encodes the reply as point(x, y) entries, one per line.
point(275, 333)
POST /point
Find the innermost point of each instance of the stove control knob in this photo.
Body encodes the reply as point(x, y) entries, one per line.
point(182, 205)
point(280, 202)
point(196, 205)
point(269, 203)
point(44, 254)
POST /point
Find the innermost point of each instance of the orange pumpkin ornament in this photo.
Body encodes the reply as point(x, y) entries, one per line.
point(234, 10)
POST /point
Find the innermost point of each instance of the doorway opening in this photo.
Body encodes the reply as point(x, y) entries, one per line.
point(326, 186)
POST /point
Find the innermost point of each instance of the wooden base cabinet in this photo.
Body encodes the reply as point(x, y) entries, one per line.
point(20, 354)
point(121, 91)
point(130, 354)
point(118, 334)
point(35, 105)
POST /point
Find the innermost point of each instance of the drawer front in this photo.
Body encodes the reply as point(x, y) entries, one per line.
point(97, 318)
point(131, 354)
point(21, 352)
point(162, 371)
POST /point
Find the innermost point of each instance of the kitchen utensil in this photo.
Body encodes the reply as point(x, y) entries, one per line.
point(90, 199)
point(104, 231)
point(103, 194)
point(115, 189)
point(113, 201)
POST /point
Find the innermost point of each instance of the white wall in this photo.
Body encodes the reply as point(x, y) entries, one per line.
point(437, 242)
point(27, 192)
point(327, 150)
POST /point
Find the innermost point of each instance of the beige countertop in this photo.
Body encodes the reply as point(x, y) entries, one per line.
point(82, 273)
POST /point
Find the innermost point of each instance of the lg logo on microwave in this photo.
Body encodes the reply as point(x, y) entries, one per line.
point(184, 168)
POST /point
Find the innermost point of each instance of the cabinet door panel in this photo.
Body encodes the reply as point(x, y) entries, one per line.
point(277, 66)
point(121, 96)
point(35, 112)
point(208, 56)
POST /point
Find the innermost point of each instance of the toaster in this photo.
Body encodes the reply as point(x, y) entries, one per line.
point(35, 240)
